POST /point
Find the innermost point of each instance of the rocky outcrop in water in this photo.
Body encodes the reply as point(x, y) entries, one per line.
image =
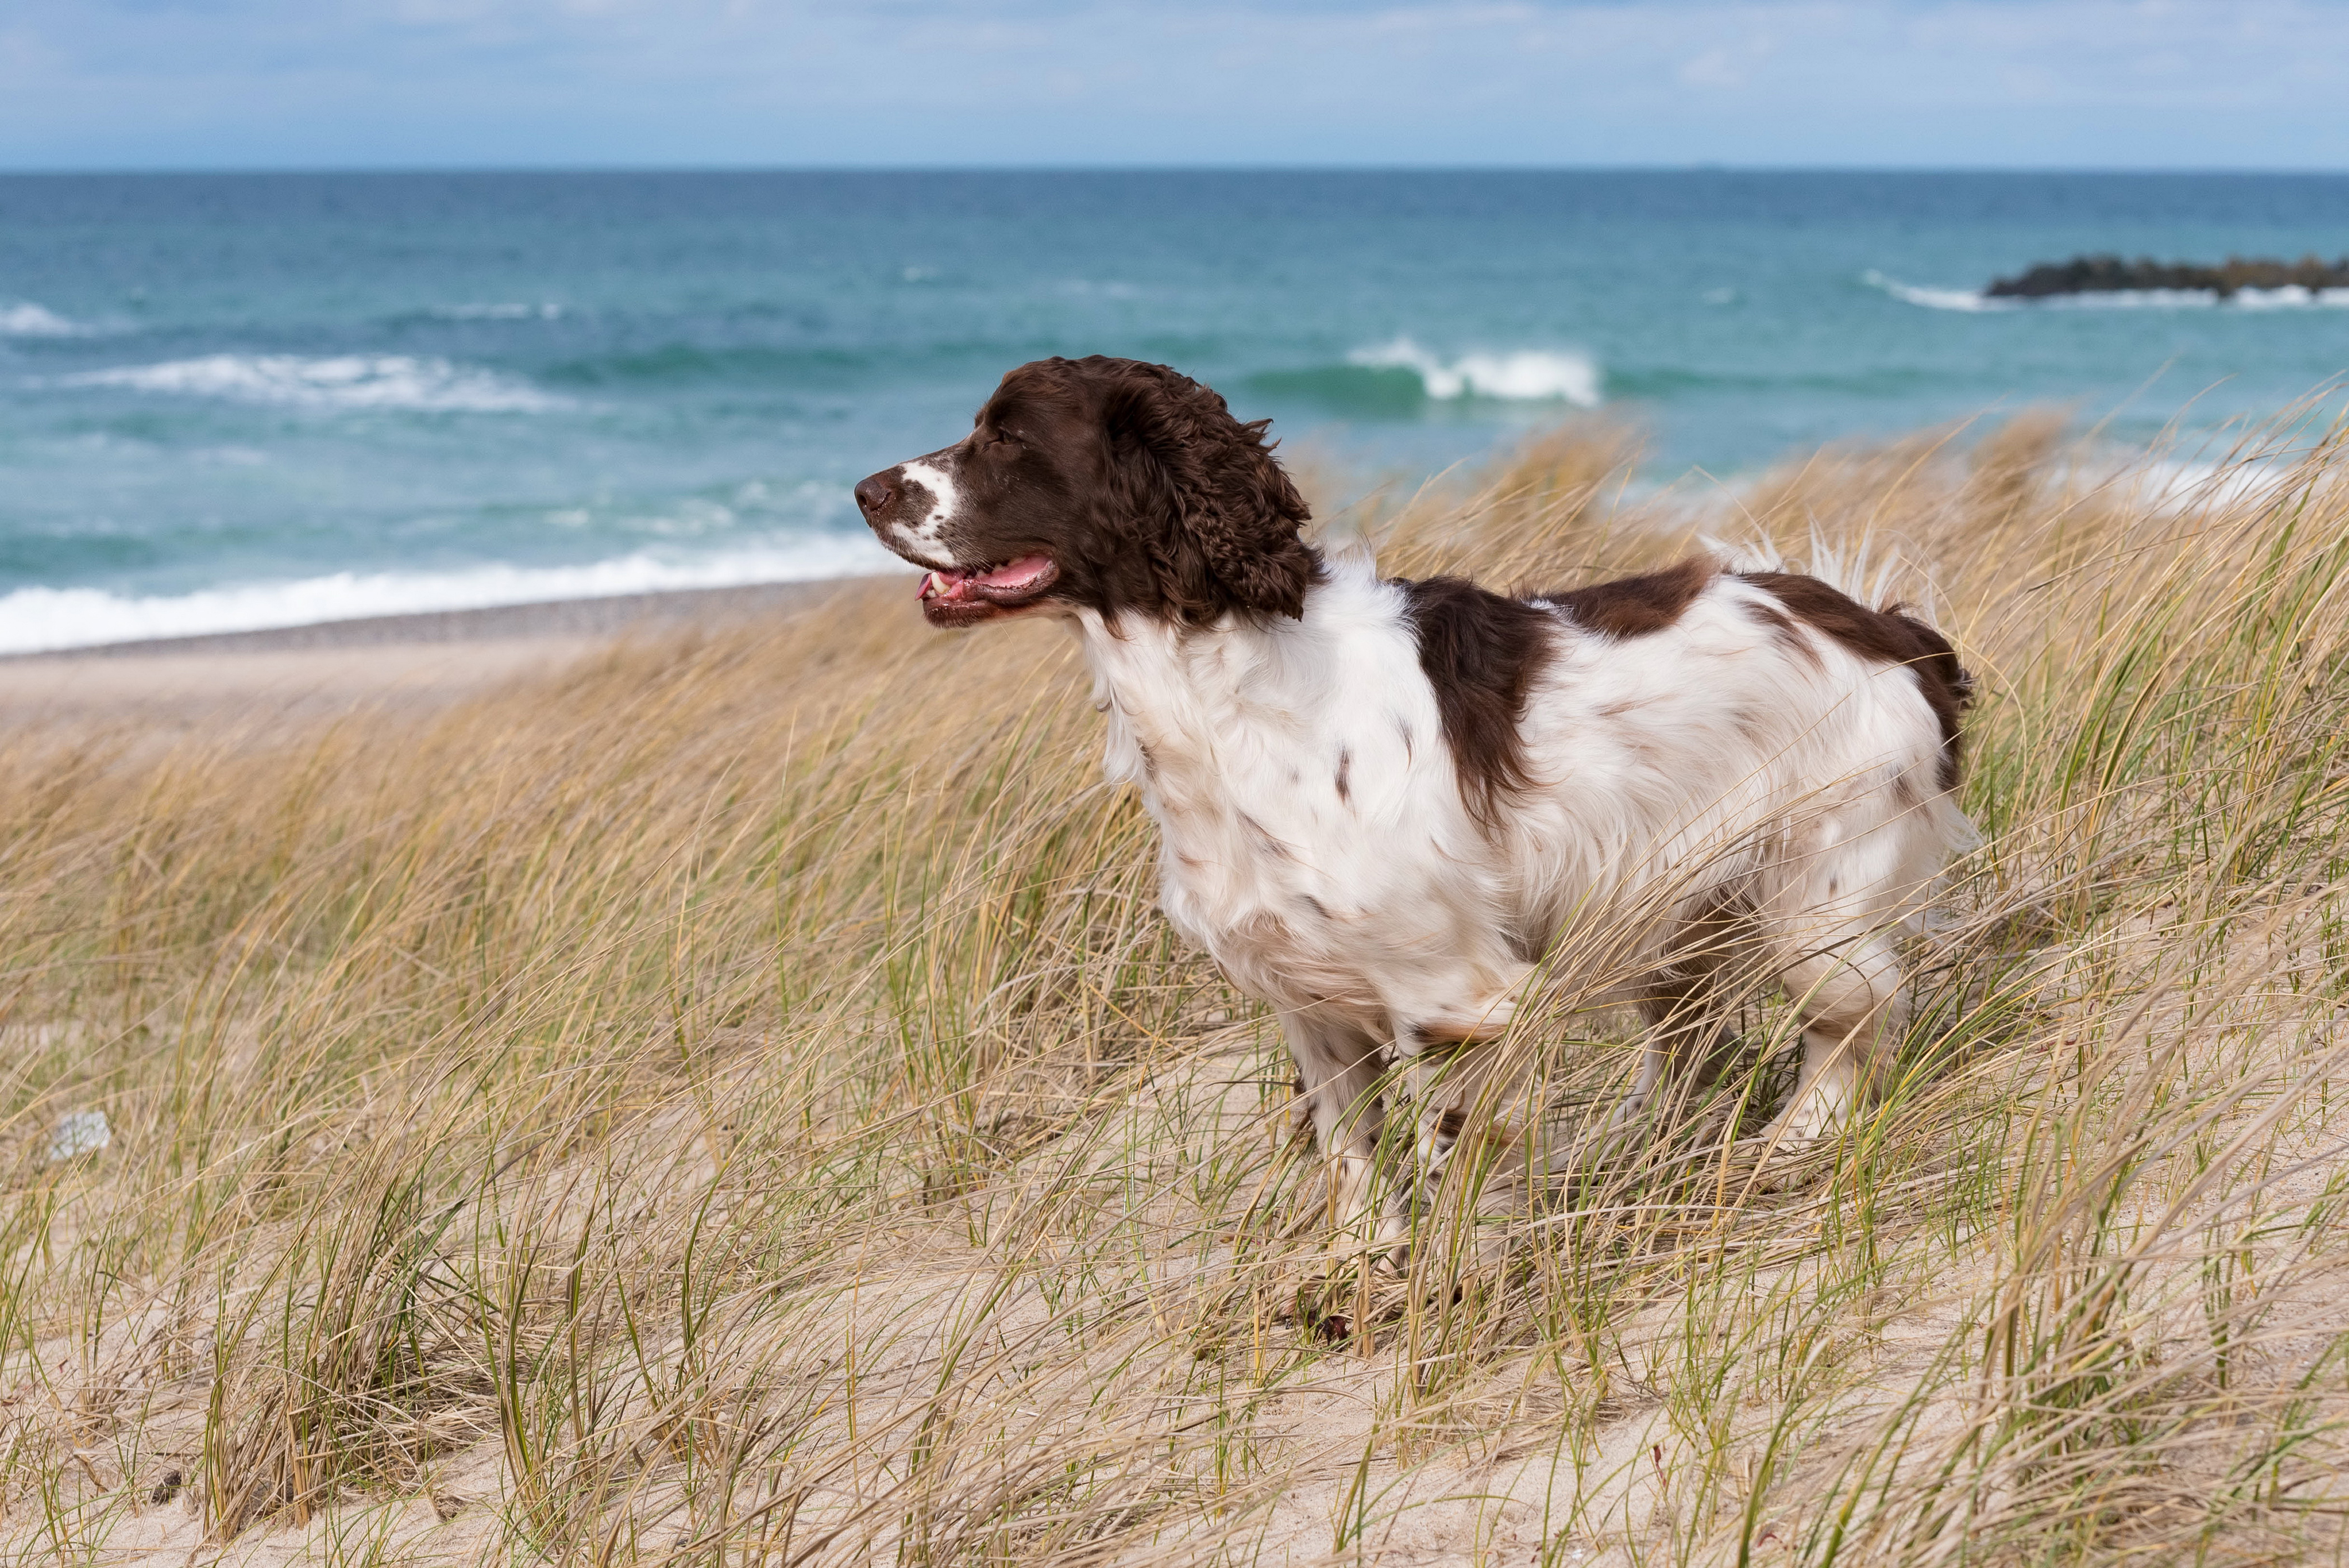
point(2111, 274)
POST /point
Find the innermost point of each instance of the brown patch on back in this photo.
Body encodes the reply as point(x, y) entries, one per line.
point(1781, 627)
point(1481, 653)
point(1636, 606)
point(1889, 638)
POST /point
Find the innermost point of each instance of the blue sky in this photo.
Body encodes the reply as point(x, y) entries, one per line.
point(143, 83)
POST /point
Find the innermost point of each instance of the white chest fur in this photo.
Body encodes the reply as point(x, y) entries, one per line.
point(1312, 838)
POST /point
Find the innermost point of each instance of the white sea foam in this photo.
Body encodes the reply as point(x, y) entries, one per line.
point(2288, 297)
point(36, 620)
point(2129, 299)
point(1936, 299)
point(2176, 484)
point(2291, 297)
point(343, 381)
point(505, 311)
point(25, 319)
point(1529, 375)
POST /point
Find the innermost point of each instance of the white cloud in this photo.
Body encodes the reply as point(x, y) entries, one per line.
point(1729, 66)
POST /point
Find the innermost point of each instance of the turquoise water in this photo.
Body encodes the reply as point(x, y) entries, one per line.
point(229, 401)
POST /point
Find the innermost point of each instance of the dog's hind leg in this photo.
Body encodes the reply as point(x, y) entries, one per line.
point(1688, 1040)
point(1686, 1005)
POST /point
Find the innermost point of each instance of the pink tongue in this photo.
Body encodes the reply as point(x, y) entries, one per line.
point(1018, 573)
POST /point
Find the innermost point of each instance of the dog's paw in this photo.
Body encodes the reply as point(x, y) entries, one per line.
point(1346, 1304)
point(1785, 1161)
point(1781, 1174)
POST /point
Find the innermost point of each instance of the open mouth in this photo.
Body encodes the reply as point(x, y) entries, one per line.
point(962, 596)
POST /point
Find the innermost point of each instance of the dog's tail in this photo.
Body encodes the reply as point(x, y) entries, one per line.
point(1864, 570)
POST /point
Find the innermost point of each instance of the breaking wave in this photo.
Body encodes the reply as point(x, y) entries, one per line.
point(501, 311)
point(1936, 299)
point(2291, 296)
point(1529, 375)
point(343, 381)
point(43, 620)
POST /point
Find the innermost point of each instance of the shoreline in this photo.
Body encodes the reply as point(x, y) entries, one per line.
point(253, 683)
point(666, 609)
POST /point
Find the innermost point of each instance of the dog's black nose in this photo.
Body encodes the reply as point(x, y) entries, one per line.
point(874, 494)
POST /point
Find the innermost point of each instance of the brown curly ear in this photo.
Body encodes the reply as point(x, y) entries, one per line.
point(1221, 514)
point(1250, 532)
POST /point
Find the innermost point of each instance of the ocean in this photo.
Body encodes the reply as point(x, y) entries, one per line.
point(237, 401)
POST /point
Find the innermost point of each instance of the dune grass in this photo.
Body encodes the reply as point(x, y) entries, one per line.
point(736, 1102)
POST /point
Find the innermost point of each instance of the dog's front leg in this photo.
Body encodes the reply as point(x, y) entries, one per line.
point(1442, 1082)
point(1337, 1067)
point(1458, 1075)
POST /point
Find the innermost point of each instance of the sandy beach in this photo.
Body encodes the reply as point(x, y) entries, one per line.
point(301, 671)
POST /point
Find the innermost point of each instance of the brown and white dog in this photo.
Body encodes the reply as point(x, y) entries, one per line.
point(1380, 801)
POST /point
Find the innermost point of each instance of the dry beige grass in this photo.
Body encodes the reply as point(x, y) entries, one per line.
point(734, 1101)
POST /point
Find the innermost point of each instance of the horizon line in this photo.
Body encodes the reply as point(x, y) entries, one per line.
point(1706, 165)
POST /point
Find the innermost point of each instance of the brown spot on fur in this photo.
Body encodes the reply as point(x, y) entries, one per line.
point(1265, 840)
point(1888, 637)
point(1637, 607)
point(1437, 1041)
point(1345, 766)
point(1480, 653)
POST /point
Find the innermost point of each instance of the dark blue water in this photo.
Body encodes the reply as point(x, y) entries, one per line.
point(248, 399)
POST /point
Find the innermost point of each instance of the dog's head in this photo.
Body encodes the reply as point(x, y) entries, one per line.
point(1101, 484)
